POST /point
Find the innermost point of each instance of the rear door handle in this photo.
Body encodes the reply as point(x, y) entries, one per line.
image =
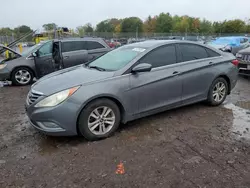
point(211, 62)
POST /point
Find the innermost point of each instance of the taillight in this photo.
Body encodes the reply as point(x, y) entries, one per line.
point(235, 62)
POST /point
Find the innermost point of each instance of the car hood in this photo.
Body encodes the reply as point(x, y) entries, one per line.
point(68, 78)
point(245, 51)
point(5, 48)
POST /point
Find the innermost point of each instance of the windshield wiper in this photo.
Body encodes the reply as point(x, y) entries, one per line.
point(97, 68)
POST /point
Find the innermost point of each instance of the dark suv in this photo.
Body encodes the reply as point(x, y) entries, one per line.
point(244, 65)
point(49, 56)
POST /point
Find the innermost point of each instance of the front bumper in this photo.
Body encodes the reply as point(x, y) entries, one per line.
point(244, 68)
point(60, 120)
point(4, 74)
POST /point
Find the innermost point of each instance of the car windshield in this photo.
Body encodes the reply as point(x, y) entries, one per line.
point(31, 49)
point(116, 59)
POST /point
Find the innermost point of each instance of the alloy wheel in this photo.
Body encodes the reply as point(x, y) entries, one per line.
point(101, 120)
point(23, 77)
point(219, 92)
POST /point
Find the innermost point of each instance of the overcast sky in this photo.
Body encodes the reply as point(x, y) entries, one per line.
point(73, 13)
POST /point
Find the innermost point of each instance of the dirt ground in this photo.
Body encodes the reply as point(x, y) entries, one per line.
point(194, 146)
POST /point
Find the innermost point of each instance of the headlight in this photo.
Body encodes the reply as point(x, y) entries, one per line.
point(238, 55)
point(57, 98)
point(2, 66)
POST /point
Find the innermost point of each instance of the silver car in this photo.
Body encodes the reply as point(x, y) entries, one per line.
point(46, 57)
point(128, 83)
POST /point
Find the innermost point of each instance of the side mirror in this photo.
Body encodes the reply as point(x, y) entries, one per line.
point(34, 54)
point(143, 67)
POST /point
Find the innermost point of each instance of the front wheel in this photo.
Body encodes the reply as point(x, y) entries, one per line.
point(99, 119)
point(218, 92)
point(22, 76)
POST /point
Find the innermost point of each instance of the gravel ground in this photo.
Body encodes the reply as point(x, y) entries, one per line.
point(194, 146)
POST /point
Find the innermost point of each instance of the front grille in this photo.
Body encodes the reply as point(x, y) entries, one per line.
point(246, 58)
point(33, 96)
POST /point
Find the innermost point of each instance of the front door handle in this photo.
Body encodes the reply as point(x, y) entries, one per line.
point(176, 72)
point(211, 62)
point(65, 57)
point(47, 60)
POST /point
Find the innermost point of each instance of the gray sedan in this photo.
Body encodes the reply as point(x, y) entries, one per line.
point(128, 83)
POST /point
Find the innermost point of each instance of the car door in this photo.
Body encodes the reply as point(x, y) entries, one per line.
point(95, 49)
point(161, 87)
point(43, 60)
point(196, 71)
point(74, 53)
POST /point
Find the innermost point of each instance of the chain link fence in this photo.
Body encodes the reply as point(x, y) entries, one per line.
point(6, 39)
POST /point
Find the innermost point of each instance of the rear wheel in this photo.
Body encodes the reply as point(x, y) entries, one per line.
point(99, 119)
point(218, 92)
point(22, 76)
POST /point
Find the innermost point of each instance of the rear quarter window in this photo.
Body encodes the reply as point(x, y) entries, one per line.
point(92, 45)
point(212, 53)
point(192, 52)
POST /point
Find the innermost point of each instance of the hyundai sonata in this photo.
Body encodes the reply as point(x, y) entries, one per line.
point(130, 82)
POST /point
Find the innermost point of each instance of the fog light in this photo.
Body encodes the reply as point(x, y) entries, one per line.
point(48, 125)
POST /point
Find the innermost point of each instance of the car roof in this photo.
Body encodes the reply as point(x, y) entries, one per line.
point(156, 43)
point(81, 39)
point(232, 37)
point(150, 43)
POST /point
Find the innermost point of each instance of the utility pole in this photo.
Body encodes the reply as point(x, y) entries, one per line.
point(136, 33)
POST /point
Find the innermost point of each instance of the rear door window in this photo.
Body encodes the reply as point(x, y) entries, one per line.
point(92, 45)
point(73, 46)
point(192, 52)
point(161, 56)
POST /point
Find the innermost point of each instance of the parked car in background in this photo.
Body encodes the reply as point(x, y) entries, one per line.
point(195, 39)
point(244, 61)
point(122, 41)
point(127, 83)
point(49, 56)
point(230, 44)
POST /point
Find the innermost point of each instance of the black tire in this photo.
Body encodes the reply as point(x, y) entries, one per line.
point(16, 82)
point(210, 99)
point(84, 118)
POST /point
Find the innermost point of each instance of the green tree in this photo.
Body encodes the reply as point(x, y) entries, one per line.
point(80, 31)
point(132, 24)
point(105, 26)
point(196, 25)
point(115, 22)
point(218, 27)
point(88, 28)
point(22, 30)
point(149, 26)
point(184, 24)
point(176, 23)
point(164, 23)
point(234, 26)
point(206, 26)
point(6, 31)
point(49, 26)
